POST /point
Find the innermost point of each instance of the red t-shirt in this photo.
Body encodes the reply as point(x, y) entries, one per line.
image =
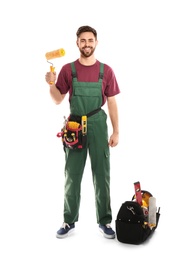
point(88, 74)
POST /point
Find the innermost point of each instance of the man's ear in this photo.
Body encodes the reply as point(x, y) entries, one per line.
point(77, 43)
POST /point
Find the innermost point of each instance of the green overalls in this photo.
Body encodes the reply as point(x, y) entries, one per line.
point(86, 97)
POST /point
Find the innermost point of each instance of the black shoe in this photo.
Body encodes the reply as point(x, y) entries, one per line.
point(65, 230)
point(107, 231)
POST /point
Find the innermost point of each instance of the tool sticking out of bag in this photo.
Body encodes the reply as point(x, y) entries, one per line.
point(152, 212)
point(138, 194)
point(148, 204)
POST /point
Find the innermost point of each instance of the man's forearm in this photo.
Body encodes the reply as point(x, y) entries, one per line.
point(56, 95)
point(113, 113)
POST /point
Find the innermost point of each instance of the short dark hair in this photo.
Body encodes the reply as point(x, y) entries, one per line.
point(86, 28)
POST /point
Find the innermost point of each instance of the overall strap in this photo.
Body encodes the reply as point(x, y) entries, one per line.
point(74, 75)
point(101, 72)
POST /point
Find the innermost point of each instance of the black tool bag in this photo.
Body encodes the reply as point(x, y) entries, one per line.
point(131, 224)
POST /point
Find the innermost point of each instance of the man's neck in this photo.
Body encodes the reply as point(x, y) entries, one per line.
point(87, 61)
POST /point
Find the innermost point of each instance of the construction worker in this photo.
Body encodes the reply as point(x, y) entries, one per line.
point(90, 85)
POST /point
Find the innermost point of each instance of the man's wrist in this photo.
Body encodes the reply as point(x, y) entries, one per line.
point(52, 85)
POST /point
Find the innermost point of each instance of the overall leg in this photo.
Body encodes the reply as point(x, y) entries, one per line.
point(74, 167)
point(100, 164)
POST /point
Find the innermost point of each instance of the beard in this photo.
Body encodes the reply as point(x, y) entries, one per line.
point(87, 53)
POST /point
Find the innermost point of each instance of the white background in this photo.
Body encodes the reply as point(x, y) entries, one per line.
point(143, 41)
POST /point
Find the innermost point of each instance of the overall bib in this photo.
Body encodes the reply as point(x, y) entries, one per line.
point(86, 97)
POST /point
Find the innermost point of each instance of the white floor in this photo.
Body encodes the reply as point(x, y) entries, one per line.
point(32, 213)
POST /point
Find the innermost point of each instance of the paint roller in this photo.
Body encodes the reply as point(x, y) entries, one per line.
point(53, 55)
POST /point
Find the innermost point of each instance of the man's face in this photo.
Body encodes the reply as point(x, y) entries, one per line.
point(87, 44)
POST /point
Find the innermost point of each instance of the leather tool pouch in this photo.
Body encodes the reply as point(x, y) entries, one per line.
point(73, 134)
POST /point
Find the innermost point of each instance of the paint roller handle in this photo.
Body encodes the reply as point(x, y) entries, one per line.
point(52, 69)
point(51, 76)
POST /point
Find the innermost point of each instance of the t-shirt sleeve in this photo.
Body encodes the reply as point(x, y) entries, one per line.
point(62, 82)
point(112, 87)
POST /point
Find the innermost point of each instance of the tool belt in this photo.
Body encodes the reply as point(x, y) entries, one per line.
point(74, 131)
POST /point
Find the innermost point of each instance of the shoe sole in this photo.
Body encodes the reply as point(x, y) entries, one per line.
point(65, 235)
point(107, 236)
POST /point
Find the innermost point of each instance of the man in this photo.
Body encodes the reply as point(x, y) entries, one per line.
point(90, 85)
